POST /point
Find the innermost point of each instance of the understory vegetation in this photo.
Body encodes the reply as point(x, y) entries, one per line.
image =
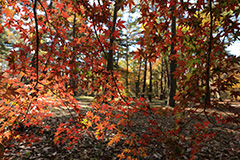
point(124, 79)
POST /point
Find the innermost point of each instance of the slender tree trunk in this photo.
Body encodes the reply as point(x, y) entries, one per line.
point(111, 51)
point(166, 84)
point(173, 63)
point(73, 79)
point(35, 59)
point(138, 80)
point(207, 97)
point(156, 89)
point(144, 78)
point(112, 39)
point(167, 78)
point(127, 68)
point(150, 83)
point(161, 81)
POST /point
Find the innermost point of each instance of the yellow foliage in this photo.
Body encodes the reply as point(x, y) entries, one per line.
point(237, 86)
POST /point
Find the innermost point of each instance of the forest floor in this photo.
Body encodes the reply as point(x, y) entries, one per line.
point(225, 146)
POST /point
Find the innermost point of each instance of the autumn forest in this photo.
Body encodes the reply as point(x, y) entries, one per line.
point(119, 79)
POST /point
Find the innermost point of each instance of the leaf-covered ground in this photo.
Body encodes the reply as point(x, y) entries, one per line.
point(226, 145)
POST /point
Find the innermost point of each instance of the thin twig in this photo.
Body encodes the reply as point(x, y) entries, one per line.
point(95, 31)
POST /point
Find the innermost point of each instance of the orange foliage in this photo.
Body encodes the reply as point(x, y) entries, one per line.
point(57, 54)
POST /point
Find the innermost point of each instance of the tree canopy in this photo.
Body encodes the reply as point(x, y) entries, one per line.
point(173, 50)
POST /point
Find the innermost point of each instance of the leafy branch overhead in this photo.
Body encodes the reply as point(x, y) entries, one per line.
point(104, 79)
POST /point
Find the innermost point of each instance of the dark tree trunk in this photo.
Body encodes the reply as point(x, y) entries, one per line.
point(138, 80)
point(173, 63)
point(112, 38)
point(167, 78)
point(111, 51)
point(127, 68)
point(161, 81)
point(73, 79)
point(150, 83)
point(144, 78)
point(207, 97)
point(156, 88)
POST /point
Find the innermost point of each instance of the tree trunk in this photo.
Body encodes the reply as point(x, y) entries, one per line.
point(112, 38)
point(35, 56)
point(166, 86)
point(127, 68)
point(150, 83)
point(138, 80)
point(161, 81)
point(167, 78)
point(156, 88)
point(144, 78)
point(111, 51)
point(173, 64)
point(207, 97)
point(73, 79)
